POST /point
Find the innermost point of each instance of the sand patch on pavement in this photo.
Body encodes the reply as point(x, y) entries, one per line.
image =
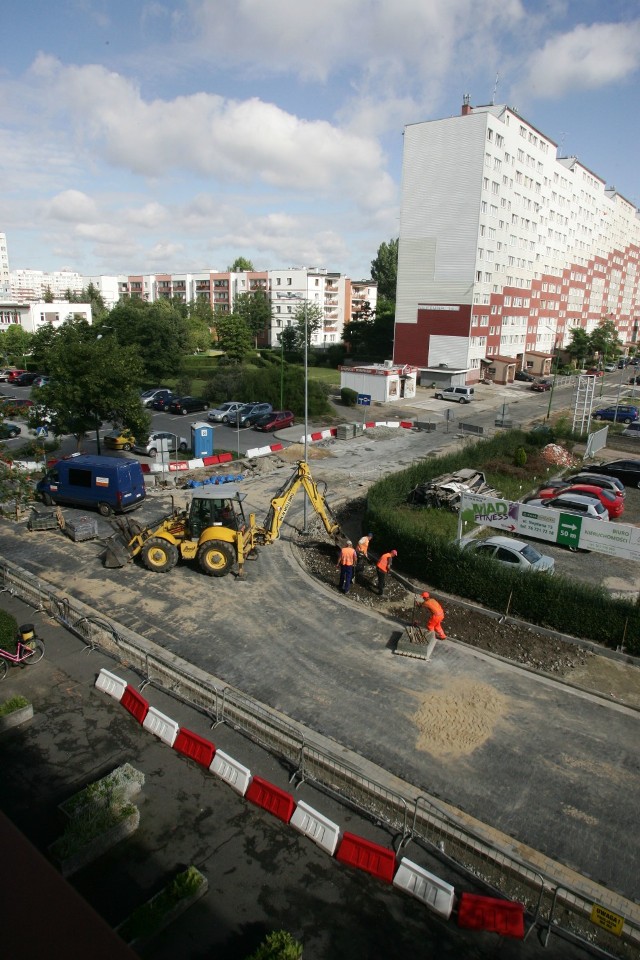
point(458, 720)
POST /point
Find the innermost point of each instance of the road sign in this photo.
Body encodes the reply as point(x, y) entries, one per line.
point(542, 523)
point(42, 432)
point(364, 399)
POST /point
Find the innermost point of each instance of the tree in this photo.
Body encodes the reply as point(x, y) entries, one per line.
point(255, 309)
point(241, 265)
point(309, 316)
point(15, 342)
point(384, 269)
point(93, 379)
point(48, 295)
point(288, 339)
point(370, 334)
point(200, 322)
point(159, 331)
point(234, 337)
point(604, 340)
point(579, 348)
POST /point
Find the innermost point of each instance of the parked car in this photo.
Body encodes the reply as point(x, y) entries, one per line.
point(118, 440)
point(516, 554)
point(162, 400)
point(634, 379)
point(250, 412)
point(275, 420)
point(14, 407)
point(41, 381)
point(632, 430)
point(572, 503)
point(634, 361)
point(6, 373)
point(9, 430)
point(458, 394)
point(594, 372)
point(185, 405)
point(161, 443)
point(622, 363)
point(524, 375)
point(612, 502)
point(226, 412)
point(620, 414)
point(149, 396)
point(628, 471)
point(14, 374)
point(595, 479)
point(609, 367)
point(541, 385)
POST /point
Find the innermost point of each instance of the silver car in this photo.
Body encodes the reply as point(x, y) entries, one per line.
point(225, 413)
point(572, 503)
point(161, 443)
point(516, 554)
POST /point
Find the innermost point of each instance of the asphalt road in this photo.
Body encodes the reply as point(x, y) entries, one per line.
point(554, 768)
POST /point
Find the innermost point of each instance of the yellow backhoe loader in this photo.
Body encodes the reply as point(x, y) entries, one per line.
point(215, 531)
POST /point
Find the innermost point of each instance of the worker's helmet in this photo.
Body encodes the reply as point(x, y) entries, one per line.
point(426, 595)
point(349, 544)
point(369, 535)
point(394, 553)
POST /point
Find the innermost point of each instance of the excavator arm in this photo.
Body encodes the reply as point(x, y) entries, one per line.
point(283, 499)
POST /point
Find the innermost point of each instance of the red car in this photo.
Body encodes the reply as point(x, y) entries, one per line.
point(275, 420)
point(612, 502)
point(541, 385)
point(592, 372)
point(13, 376)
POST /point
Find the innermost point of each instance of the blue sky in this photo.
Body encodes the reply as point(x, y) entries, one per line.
point(174, 136)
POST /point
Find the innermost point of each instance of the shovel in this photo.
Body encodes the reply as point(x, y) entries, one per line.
point(116, 553)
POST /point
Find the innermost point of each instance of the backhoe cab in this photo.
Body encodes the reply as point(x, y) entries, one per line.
point(215, 531)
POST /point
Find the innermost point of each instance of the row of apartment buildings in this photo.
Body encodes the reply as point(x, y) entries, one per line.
point(505, 246)
point(338, 298)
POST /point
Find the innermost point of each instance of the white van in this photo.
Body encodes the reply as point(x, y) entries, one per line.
point(459, 394)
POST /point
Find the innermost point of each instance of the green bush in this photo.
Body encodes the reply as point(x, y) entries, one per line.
point(520, 457)
point(349, 397)
point(423, 538)
point(278, 945)
point(8, 631)
point(10, 706)
point(149, 917)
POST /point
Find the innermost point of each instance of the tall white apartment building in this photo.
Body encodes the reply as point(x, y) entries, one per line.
point(34, 284)
point(504, 246)
point(5, 280)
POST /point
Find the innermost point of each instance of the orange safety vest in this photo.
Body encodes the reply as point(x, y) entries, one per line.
point(434, 607)
point(384, 563)
point(347, 557)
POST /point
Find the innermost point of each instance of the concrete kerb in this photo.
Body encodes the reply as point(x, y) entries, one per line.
point(477, 836)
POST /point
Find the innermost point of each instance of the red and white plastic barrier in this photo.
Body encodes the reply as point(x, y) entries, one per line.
point(475, 912)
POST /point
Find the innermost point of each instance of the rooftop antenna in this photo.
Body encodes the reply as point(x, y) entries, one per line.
point(495, 89)
point(561, 144)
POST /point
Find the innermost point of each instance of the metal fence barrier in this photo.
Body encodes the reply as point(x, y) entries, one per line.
point(553, 907)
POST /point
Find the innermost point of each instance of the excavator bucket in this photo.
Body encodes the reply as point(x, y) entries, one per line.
point(116, 553)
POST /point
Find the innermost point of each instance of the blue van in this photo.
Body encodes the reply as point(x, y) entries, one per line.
point(106, 484)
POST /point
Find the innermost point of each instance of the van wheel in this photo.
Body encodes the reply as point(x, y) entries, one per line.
point(126, 446)
point(46, 499)
point(104, 509)
point(627, 420)
point(462, 400)
point(159, 555)
point(216, 558)
point(438, 396)
point(597, 417)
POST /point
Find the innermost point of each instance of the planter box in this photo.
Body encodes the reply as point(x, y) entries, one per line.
point(16, 717)
point(70, 864)
point(125, 780)
point(170, 915)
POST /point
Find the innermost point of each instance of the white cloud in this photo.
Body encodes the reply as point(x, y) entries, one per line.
point(71, 205)
point(587, 58)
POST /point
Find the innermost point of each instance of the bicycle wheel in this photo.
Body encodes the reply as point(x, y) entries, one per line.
point(37, 651)
point(3, 668)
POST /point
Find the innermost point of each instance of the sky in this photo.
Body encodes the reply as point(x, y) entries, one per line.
point(147, 137)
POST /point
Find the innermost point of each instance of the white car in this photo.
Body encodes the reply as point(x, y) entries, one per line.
point(162, 443)
point(572, 503)
point(225, 413)
point(516, 554)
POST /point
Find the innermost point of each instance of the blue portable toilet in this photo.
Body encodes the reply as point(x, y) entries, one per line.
point(202, 440)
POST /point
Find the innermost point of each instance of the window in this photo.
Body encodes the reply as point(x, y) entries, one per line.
point(278, 281)
point(289, 281)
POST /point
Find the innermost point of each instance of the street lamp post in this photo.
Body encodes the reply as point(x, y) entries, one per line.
point(281, 372)
point(306, 408)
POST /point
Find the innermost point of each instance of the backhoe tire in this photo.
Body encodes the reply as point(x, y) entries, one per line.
point(216, 558)
point(159, 555)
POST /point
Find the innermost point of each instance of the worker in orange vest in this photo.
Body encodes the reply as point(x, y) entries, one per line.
point(347, 563)
point(435, 614)
point(362, 549)
point(383, 566)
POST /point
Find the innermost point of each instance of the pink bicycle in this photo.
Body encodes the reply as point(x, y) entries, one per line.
point(29, 649)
